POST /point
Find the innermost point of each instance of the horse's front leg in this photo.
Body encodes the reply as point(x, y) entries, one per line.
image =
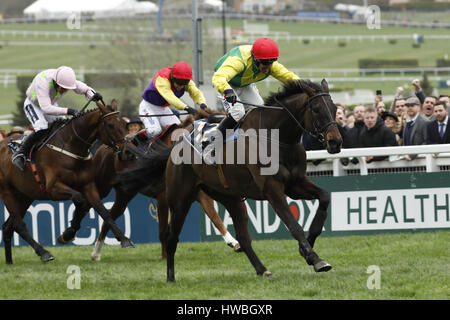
point(274, 191)
point(91, 194)
point(81, 209)
point(120, 204)
point(305, 189)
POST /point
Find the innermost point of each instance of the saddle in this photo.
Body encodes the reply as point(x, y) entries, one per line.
point(204, 131)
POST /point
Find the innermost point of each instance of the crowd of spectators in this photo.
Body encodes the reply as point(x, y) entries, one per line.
point(409, 120)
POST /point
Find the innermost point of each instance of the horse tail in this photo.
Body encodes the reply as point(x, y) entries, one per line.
point(149, 169)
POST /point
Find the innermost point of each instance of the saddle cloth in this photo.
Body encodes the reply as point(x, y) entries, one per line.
point(201, 135)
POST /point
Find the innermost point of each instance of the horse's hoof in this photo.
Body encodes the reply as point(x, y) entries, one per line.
point(322, 266)
point(47, 256)
point(70, 237)
point(267, 274)
point(127, 243)
point(237, 248)
point(62, 241)
point(96, 257)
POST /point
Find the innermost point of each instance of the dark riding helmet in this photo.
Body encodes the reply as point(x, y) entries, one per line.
point(181, 73)
point(265, 51)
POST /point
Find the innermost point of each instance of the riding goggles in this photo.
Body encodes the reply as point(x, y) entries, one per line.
point(181, 82)
point(266, 62)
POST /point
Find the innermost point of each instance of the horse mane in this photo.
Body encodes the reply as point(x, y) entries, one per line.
point(59, 122)
point(290, 88)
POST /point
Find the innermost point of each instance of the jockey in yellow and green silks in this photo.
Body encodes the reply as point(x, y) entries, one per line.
point(237, 72)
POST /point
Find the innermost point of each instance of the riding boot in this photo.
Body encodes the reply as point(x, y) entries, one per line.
point(19, 157)
point(227, 123)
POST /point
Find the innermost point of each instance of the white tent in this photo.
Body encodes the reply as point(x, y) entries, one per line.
point(57, 9)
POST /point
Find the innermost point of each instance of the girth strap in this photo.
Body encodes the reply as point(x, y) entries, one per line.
point(68, 153)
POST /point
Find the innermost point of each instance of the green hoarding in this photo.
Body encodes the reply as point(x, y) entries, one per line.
point(359, 205)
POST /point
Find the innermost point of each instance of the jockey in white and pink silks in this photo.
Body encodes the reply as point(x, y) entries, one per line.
point(41, 107)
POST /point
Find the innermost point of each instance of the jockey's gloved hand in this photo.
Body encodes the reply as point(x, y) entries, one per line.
point(191, 110)
point(230, 96)
point(203, 106)
point(97, 97)
point(72, 112)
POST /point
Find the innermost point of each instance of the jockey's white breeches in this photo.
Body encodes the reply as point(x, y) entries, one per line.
point(155, 125)
point(37, 117)
point(248, 94)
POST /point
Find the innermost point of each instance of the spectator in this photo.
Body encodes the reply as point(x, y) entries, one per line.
point(428, 106)
point(418, 90)
point(380, 107)
point(446, 99)
point(390, 121)
point(350, 119)
point(437, 130)
point(340, 117)
point(397, 96)
point(415, 131)
point(354, 133)
point(376, 134)
point(400, 110)
point(16, 129)
point(134, 126)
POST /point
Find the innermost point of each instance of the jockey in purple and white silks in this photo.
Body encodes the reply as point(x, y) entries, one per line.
point(166, 89)
point(42, 109)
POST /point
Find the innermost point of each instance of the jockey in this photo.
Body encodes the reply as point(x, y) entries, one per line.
point(166, 89)
point(238, 70)
point(41, 107)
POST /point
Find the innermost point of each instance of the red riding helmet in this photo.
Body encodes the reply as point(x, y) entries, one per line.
point(182, 70)
point(265, 48)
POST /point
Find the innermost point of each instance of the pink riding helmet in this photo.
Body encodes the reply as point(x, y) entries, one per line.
point(65, 78)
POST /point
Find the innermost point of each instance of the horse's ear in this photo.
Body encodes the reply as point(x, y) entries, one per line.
point(102, 108)
point(324, 85)
point(309, 91)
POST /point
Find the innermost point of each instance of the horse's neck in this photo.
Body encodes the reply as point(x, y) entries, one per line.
point(289, 131)
point(82, 132)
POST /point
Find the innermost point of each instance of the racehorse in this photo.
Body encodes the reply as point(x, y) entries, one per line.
point(65, 171)
point(299, 106)
point(108, 163)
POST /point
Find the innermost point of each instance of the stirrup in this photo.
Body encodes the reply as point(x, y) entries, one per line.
point(19, 160)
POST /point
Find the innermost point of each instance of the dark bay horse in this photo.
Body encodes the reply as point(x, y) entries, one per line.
point(66, 172)
point(108, 163)
point(299, 106)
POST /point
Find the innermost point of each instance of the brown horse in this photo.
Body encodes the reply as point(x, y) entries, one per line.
point(300, 106)
point(108, 163)
point(66, 172)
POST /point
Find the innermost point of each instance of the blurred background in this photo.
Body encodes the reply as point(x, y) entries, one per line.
point(116, 46)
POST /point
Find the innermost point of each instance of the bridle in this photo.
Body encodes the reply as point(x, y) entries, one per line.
point(111, 143)
point(319, 132)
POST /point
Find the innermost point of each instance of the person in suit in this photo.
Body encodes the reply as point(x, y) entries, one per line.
point(437, 130)
point(415, 131)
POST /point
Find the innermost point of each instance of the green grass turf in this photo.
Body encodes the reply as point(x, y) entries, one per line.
point(412, 266)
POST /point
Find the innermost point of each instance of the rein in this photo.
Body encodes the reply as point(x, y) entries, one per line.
point(317, 131)
point(111, 143)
